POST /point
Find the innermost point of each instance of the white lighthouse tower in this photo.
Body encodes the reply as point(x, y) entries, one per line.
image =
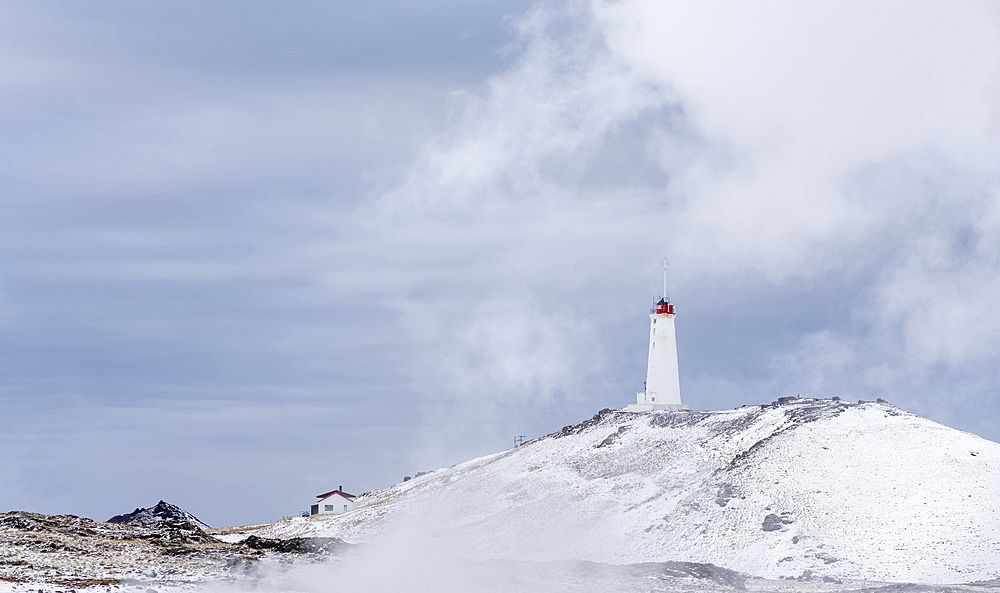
point(663, 388)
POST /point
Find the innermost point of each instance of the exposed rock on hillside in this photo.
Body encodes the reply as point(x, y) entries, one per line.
point(78, 552)
point(162, 512)
point(296, 545)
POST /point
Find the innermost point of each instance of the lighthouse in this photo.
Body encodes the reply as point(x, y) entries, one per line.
point(662, 388)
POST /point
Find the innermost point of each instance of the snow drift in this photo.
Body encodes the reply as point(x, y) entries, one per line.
point(800, 487)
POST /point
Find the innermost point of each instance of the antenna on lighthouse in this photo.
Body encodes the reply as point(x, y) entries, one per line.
point(665, 264)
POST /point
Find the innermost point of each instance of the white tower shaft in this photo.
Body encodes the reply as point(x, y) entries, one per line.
point(663, 386)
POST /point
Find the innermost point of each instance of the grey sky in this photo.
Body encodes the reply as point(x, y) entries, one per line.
point(248, 254)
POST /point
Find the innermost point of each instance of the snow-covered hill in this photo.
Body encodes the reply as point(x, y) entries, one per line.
point(801, 487)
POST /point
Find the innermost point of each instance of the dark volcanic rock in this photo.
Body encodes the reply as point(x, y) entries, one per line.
point(720, 575)
point(711, 572)
point(165, 524)
point(296, 545)
point(65, 524)
point(163, 511)
point(774, 522)
point(78, 552)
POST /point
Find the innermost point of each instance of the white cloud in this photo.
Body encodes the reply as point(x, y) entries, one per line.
point(501, 348)
point(530, 130)
point(800, 98)
point(773, 143)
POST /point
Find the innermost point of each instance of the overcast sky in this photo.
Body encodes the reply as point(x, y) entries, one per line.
point(250, 252)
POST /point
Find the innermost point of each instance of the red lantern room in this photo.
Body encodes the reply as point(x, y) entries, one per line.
point(664, 308)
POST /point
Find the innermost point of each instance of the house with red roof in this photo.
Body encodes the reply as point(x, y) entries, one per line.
point(333, 502)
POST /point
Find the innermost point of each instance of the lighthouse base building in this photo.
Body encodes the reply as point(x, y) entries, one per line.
point(662, 390)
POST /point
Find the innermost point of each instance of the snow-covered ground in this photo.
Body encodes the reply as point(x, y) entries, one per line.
point(808, 488)
point(812, 495)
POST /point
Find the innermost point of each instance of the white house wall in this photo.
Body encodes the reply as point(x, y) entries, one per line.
point(337, 502)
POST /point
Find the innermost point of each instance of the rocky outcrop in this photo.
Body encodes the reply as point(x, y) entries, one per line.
point(161, 512)
point(296, 545)
point(77, 552)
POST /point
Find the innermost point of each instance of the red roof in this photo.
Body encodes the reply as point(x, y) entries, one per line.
point(327, 495)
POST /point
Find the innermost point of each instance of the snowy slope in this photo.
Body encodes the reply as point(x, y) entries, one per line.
point(847, 490)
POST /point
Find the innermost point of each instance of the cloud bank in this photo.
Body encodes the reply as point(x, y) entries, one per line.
point(835, 145)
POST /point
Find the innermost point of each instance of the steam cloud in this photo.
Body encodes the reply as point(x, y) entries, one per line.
point(782, 144)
